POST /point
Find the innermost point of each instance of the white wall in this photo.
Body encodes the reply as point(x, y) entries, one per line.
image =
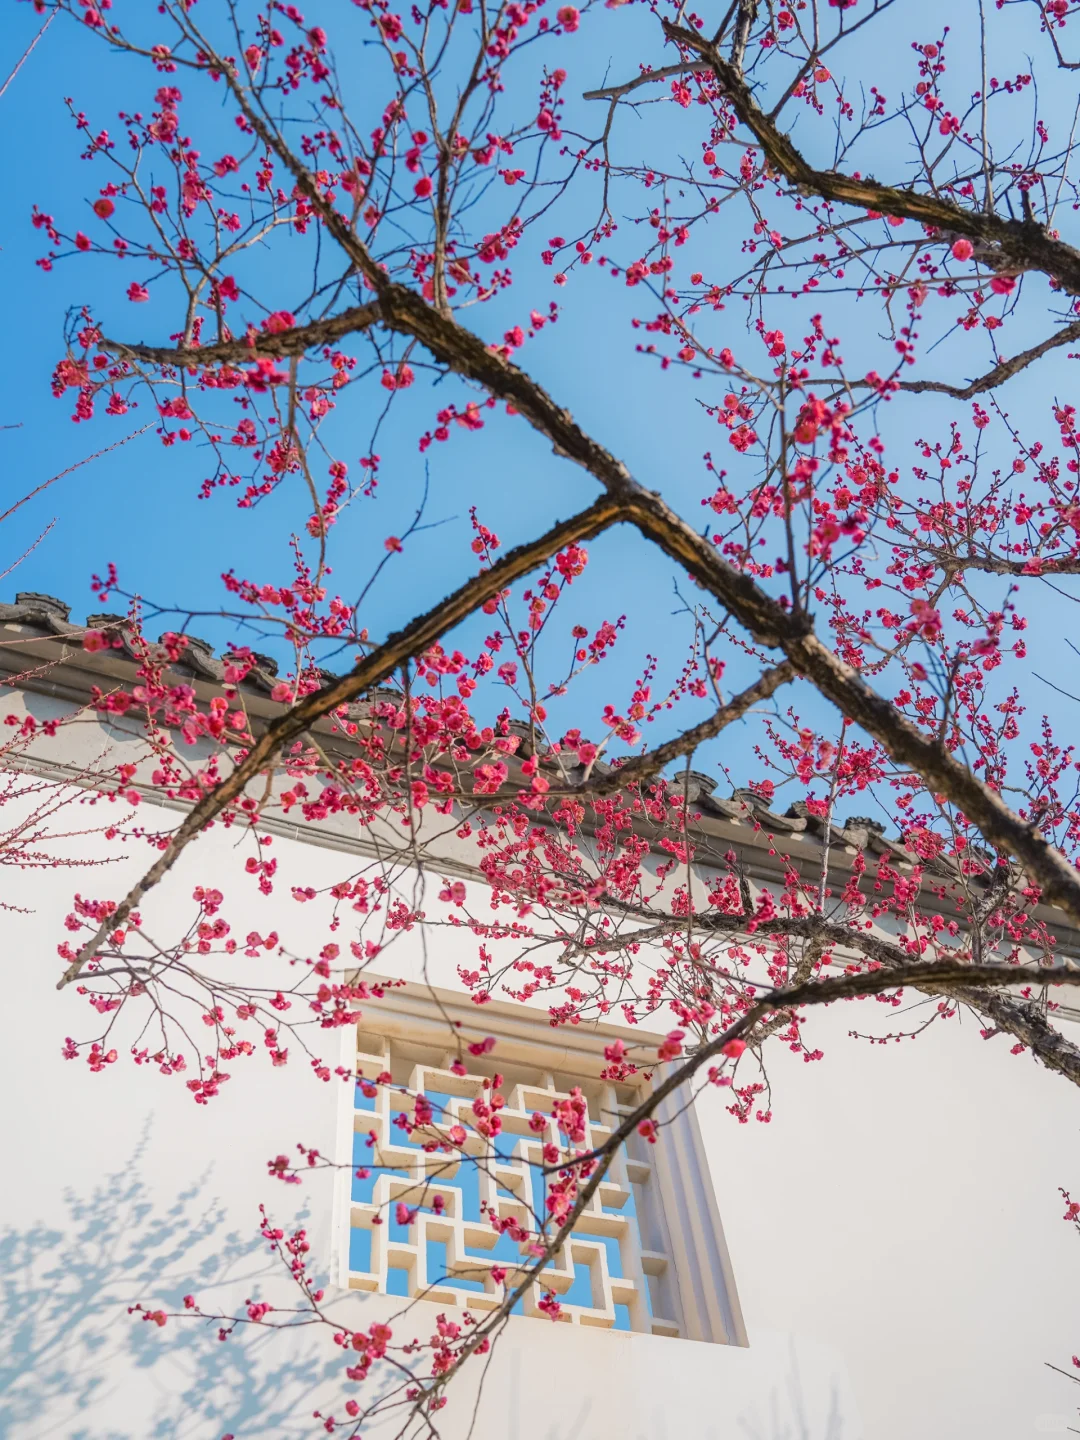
point(902, 1205)
point(899, 1214)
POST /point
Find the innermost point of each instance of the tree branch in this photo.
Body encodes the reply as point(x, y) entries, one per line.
point(929, 975)
point(416, 637)
point(811, 992)
point(649, 77)
point(1001, 372)
point(256, 342)
point(641, 768)
point(776, 627)
point(1033, 568)
point(768, 621)
point(1012, 244)
point(1023, 1019)
point(644, 767)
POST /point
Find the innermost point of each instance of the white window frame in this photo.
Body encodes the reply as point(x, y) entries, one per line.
point(676, 1203)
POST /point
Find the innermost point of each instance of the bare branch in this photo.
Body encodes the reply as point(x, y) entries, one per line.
point(256, 342)
point(649, 77)
point(1001, 372)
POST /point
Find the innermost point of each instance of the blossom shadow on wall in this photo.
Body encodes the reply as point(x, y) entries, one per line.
point(74, 1362)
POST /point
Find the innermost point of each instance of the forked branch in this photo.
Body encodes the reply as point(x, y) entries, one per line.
point(1008, 244)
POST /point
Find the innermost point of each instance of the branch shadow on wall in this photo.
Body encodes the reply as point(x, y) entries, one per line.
point(75, 1364)
point(786, 1413)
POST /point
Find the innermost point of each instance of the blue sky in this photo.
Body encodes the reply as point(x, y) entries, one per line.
point(138, 506)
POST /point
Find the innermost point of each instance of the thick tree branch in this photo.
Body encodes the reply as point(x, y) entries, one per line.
point(1033, 568)
point(1024, 1019)
point(404, 311)
point(1012, 244)
point(936, 976)
point(419, 635)
point(747, 15)
point(775, 626)
point(922, 976)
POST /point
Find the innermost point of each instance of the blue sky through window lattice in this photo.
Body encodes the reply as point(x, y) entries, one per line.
point(466, 1181)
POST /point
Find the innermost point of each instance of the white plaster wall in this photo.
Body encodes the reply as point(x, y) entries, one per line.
point(902, 1205)
point(899, 1215)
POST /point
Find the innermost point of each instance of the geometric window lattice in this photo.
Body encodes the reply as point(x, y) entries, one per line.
point(646, 1255)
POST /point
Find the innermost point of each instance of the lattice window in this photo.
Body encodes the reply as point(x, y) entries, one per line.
point(646, 1255)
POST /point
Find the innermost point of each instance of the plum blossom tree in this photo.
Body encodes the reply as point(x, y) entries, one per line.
point(362, 232)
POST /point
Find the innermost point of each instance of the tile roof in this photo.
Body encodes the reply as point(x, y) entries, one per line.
point(743, 818)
